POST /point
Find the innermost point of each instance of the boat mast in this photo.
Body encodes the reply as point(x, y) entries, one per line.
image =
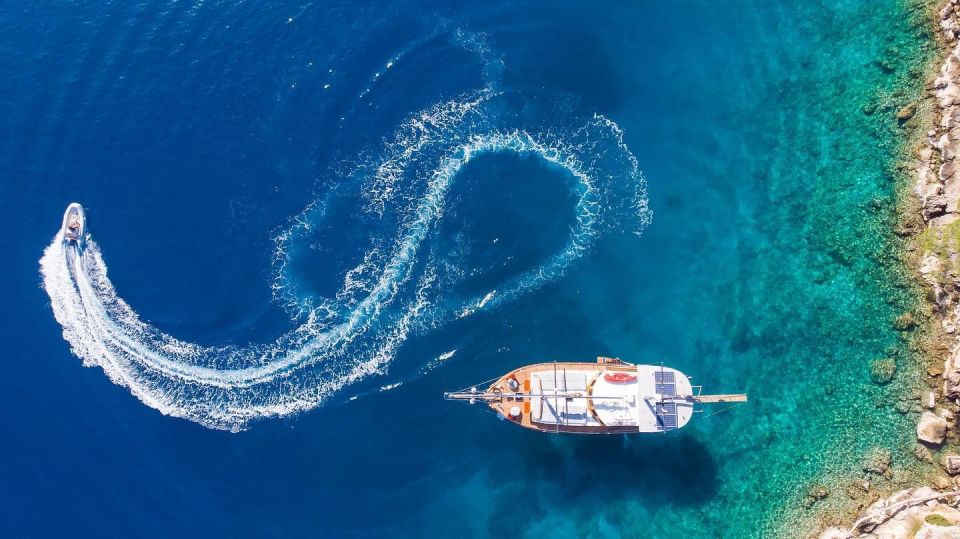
point(474, 395)
point(556, 400)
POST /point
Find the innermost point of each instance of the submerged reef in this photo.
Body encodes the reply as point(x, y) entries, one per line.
point(883, 370)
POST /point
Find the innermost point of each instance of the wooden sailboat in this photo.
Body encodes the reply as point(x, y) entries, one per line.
point(606, 397)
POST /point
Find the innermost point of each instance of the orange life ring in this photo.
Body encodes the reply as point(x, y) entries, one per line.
point(619, 377)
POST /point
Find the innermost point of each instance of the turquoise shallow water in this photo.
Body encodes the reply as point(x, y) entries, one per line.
point(761, 136)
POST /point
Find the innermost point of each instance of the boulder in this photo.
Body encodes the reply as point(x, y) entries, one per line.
point(905, 322)
point(952, 464)
point(934, 206)
point(906, 113)
point(947, 170)
point(931, 429)
point(951, 385)
point(950, 152)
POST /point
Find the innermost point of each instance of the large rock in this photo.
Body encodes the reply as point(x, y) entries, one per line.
point(952, 464)
point(947, 170)
point(906, 113)
point(935, 206)
point(907, 514)
point(931, 429)
point(951, 385)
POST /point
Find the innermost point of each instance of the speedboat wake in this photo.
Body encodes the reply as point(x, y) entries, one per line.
point(399, 287)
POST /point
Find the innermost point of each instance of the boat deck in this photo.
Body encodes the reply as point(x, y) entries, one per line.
point(576, 397)
point(606, 397)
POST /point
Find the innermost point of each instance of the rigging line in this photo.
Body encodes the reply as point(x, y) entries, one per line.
point(486, 383)
point(718, 412)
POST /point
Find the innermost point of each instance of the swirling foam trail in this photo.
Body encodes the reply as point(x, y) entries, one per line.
point(355, 334)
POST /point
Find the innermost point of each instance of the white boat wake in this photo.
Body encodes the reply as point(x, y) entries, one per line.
point(399, 287)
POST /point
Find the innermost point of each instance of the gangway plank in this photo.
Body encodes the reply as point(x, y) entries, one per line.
point(735, 397)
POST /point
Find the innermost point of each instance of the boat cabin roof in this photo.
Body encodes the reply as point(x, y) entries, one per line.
point(594, 397)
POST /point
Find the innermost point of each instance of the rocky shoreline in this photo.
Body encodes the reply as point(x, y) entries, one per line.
point(937, 186)
point(930, 224)
point(921, 513)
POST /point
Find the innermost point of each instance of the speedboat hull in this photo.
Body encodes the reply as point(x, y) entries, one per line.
point(74, 227)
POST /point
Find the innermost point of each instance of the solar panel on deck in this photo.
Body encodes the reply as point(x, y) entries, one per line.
point(665, 382)
point(666, 389)
point(667, 422)
point(664, 377)
point(667, 416)
point(667, 408)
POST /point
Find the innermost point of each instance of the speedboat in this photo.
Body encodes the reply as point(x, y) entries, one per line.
point(74, 224)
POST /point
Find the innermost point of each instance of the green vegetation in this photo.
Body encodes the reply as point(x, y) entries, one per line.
point(951, 233)
point(941, 241)
point(928, 241)
point(938, 520)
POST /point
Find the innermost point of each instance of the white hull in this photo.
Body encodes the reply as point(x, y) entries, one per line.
point(606, 397)
point(74, 227)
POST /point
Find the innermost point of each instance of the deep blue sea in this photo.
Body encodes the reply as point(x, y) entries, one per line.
point(310, 219)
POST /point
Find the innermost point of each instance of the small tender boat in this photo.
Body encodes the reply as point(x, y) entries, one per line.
point(74, 224)
point(606, 397)
point(619, 377)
